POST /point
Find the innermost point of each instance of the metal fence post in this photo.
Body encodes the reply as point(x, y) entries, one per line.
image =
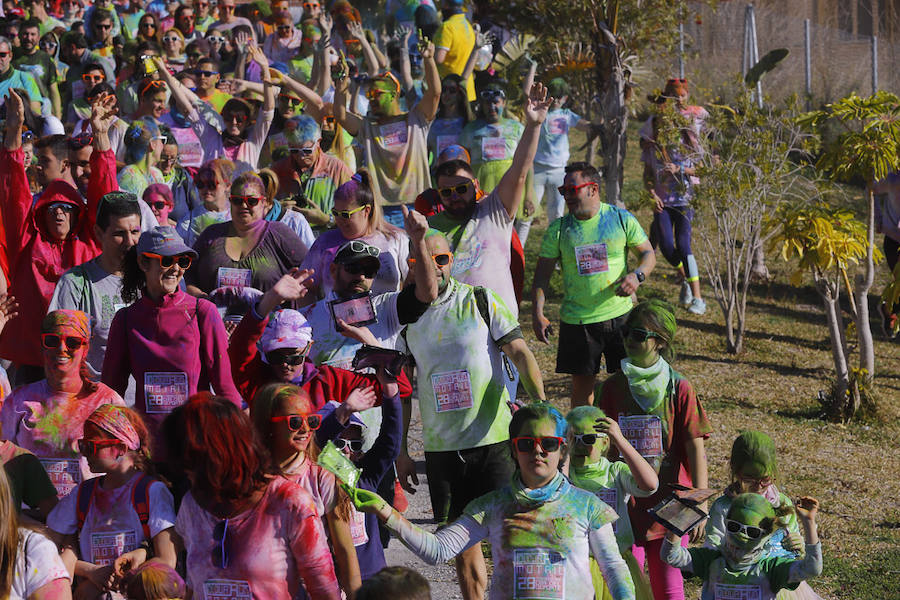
point(807, 63)
point(874, 64)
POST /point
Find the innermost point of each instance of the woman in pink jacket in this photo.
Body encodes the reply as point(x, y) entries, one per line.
point(173, 344)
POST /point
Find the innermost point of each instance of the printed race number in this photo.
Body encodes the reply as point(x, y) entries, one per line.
point(591, 258)
point(539, 574)
point(644, 432)
point(452, 390)
point(65, 473)
point(165, 391)
point(226, 589)
point(726, 591)
point(107, 546)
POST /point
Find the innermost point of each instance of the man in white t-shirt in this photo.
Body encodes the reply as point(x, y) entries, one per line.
point(463, 402)
point(479, 230)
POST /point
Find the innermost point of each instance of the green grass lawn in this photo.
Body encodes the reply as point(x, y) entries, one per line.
point(853, 470)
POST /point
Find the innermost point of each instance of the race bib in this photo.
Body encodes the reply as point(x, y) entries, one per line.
point(239, 278)
point(107, 546)
point(558, 126)
point(644, 432)
point(591, 258)
point(444, 142)
point(226, 589)
point(190, 151)
point(394, 134)
point(539, 574)
point(493, 148)
point(165, 391)
point(452, 390)
point(726, 591)
point(358, 528)
point(611, 497)
point(65, 473)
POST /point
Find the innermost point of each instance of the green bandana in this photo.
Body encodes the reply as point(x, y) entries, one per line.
point(648, 386)
point(593, 476)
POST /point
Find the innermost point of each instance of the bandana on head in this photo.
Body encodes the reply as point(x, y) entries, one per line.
point(111, 419)
point(75, 320)
point(286, 329)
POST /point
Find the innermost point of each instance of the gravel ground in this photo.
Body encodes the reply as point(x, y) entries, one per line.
point(442, 577)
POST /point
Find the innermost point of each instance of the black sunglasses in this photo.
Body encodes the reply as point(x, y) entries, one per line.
point(638, 334)
point(280, 358)
point(304, 151)
point(219, 555)
point(357, 268)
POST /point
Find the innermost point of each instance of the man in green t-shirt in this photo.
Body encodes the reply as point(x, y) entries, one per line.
point(28, 57)
point(591, 242)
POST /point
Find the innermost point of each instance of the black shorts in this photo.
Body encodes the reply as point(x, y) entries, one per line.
point(581, 346)
point(455, 478)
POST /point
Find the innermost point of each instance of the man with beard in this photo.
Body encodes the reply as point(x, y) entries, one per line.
point(479, 230)
point(184, 22)
point(12, 78)
point(307, 173)
point(37, 62)
point(53, 234)
point(592, 244)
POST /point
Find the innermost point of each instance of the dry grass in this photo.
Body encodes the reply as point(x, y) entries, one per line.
point(854, 470)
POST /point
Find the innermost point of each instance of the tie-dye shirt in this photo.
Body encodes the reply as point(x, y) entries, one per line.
point(540, 552)
point(480, 246)
point(273, 550)
point(396, 153)
point(49, 424)
point(111, 525)
point(462, 396)
point(594, 256)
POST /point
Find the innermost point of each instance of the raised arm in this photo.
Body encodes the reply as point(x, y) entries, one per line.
point(313, 104)
point(428, 105)
point(405, 71)
point(426, 280)
point(350, 121)
point(103, 161)
point(357, 31)
point(178, 90)
point(512, 184)
point(13, 179)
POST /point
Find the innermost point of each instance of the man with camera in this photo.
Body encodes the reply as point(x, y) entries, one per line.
point(307, 176)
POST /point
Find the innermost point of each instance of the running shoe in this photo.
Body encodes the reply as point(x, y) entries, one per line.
point(698, 306)
point(686, 295)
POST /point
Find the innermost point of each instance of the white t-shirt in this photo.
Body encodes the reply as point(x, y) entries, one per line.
point(111, 526)
point(37, 564)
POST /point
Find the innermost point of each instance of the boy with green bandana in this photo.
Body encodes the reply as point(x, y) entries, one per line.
point(591, 432)
point(740, 567)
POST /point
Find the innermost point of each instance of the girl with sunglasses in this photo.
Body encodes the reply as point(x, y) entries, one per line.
point(173, 45)
point(592, 433)
point(358, 216)
point(242, 522)
point(247, 251)
point(213, 184)
point(123, 509)
point(541, 528)
point(148, 29)
point(740, 567)
point(754, 468)
point(47, 417)
point(173, 344)
point(285, 419)
point(662, 418)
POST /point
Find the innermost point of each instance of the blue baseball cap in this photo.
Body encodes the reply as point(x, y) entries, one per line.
point(165, 242)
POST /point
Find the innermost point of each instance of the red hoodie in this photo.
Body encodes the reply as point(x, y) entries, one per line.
point(36, 260)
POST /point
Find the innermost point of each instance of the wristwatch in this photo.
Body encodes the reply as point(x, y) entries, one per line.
point(640, 275)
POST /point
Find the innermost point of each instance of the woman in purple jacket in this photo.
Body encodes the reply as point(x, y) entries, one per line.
point(173, 344)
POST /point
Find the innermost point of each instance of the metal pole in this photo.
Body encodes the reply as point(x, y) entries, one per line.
point(874, 64)
point(681, 50)
point(807, 63)
point(755, 53)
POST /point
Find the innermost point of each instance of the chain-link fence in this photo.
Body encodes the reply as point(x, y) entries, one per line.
point(840, 46)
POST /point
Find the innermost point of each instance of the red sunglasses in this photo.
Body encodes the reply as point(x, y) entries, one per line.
point(295, 422)
point(94, 446)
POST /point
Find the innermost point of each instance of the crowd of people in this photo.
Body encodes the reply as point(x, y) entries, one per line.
point(236, 238)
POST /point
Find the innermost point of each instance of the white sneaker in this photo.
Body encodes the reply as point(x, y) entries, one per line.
point(697, 306)
point(686, 294)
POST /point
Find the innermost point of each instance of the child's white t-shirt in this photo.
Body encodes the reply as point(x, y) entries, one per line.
point(111, 526)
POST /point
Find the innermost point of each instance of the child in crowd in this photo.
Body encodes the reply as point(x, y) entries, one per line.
point(754, 468)
point(395, 583)
point(661, 417)
point(740, 567)
point(615, 483)
point(155, 580)
point(107, 516)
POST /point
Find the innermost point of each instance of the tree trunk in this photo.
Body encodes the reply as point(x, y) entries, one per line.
point(611, 87)
point(758, 269)
point(863, 285)
point(830, 296)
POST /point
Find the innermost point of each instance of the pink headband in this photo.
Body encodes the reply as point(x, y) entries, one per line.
point(111, 419)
